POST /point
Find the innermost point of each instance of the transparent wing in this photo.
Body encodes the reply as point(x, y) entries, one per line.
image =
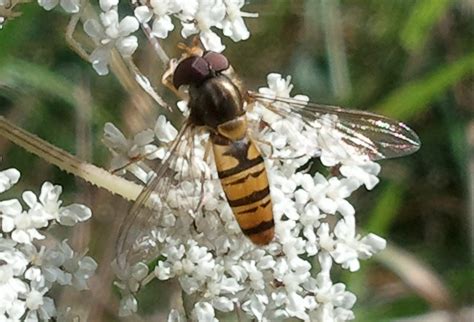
point(137, 236)
point(370, 134)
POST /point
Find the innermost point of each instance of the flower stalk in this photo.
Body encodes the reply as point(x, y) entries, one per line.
point(68, 162)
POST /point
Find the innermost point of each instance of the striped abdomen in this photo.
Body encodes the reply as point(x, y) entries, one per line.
point(244, 179)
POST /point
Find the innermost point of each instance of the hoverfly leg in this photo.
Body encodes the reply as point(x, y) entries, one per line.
point(207, 150)
point(287, 158)
point(167, 78)
point(194, 220)
point(201, 196)
point(132, 161)
point(194, 50)
point(126, 165)
point(266, 143)
point(272, 155)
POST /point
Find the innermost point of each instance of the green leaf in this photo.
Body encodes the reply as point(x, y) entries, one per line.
point(18, 74)
point(385, 210)
point(424, 14)
point(413, 98)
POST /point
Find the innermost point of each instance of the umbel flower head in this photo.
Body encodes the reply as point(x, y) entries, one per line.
point(196, 17)
point(196, 239)
point(28, 270)
point(214, 262)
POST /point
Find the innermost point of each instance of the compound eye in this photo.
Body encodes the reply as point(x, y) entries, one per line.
point(218, 62)
point(192, 70)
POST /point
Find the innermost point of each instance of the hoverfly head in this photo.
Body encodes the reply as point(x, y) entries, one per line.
point(191, 71)
point(195, 69)
point(217, 62)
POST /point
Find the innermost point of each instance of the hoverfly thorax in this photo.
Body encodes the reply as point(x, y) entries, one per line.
point(216, 101)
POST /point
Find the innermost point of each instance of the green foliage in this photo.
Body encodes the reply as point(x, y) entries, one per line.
point(20, 75)
point(423, 17)
point(386, 209)
point(414, 97)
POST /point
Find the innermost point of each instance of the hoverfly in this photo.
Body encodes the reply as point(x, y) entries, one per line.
point(217, 104)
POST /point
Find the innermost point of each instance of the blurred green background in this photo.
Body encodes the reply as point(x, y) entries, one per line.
point(409, 60)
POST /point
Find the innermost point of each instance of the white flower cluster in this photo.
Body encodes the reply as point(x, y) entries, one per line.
point(314, 227)
point(128, 153)
point(206, 251)
point(28, 270)
point(111, 33)
point(197, 17)
point(70, 6)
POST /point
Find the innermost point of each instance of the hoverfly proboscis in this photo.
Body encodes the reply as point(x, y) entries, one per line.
point(218, 106)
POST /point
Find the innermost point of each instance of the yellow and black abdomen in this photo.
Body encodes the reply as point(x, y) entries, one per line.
point(242, 173)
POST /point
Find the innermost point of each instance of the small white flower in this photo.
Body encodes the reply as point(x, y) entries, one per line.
point(41, 308)
point(34, 300)
point(70, 6)
point(175, 316)
point(350, 247)
point(233, 24)
point(128, 305)
point(50, 205)
point(110, 33)
point(366, 173)
point(84, 270)
point(47, 265)
point(14, 263)
point(59, 264)
point(211, 41)
point(12, 287)
point(8, 177)
point(277, 86)
point(210, 13)
point(80, 267)
point(22, 225)
point(256, 305)
point(143, 14)
point(107, 5)
point(165, 132)
point(162, 24)
point(15, 310)
point(129, 282)
point(129, 279)
point(204, 312)
point(129, 152)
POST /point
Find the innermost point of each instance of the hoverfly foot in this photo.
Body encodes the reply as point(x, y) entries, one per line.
point(194, 50)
